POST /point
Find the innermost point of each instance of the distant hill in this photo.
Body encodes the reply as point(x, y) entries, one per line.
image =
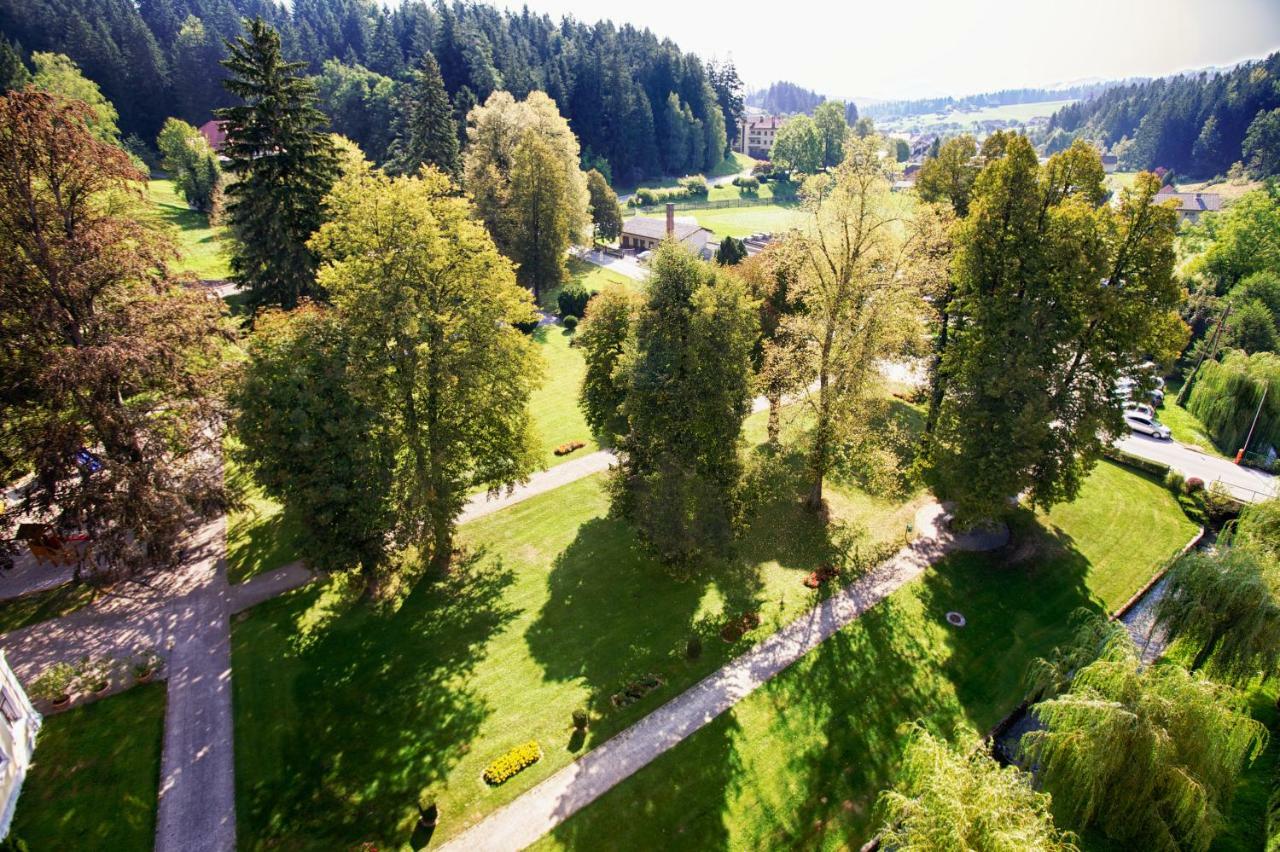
point(1193, 123)
point(784, 98)
point(1005, 97)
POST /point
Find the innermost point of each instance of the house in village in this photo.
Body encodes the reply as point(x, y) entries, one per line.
point(1190, 204)
point(1110, 162)
point(214, 132)
point(644, 233)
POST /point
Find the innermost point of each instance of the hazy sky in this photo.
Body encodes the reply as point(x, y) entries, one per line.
point(918, 48)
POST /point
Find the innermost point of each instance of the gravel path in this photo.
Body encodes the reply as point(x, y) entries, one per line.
point(550, 803)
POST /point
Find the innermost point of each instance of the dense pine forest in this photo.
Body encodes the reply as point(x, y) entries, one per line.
point(638, 104)
point(1199, 125)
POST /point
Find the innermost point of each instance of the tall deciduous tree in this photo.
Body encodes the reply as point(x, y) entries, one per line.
point(606, 214)
point(108, 368)
point(1057, 294)
point(312, 442)
point(425, 133)
point(689, 391)
point(1147, 754)
point(539, 223)
point(58, 75)
point(948, 177)
point(423, 296)
point(771, 278)
point(284, 166)
point(831, 124)
point(798, 147)
point(606, 336)
point(1226, 605)
point(857, 307)
point(192, 163)
point(949, 797)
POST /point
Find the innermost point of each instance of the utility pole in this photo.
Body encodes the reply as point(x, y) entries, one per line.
point(1240, 455)
point(1213, 349)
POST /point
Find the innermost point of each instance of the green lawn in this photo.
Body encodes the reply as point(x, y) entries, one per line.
point(1186, 427)
point(799, 763)
point(94, 779)
point(200, 244)
point(557, 417)
point(261, 534)
point(744, 221)
point(339, 731)
point(42, 606)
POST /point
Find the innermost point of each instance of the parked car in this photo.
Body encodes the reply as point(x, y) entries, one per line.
point(1147, 425)
point(1140, 408)
point(1126, 387)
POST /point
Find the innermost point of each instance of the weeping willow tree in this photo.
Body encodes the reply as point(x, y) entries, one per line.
point(949, 798)
point(1148, 755)
point(1226, 605)
point(1259, 528)
point(1227, 395)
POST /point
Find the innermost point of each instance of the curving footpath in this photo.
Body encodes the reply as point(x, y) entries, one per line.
point(568, 791)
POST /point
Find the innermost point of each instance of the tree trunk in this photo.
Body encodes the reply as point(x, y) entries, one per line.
point(821, 440)
point(1206, 651)
point(441, 542)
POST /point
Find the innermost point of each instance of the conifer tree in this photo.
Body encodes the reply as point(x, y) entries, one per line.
point(606, 215)
point(425, 132)
point(284, 166)
point(13, 71)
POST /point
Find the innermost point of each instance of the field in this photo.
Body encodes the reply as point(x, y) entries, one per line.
point(800, 762)
point(1021, 113)
point(95, 776)
point(560, 610)
point(200, 244)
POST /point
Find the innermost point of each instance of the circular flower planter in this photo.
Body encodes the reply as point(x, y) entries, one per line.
point(955, 619)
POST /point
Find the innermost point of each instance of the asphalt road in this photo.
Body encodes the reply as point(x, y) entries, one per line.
point(1243, 482)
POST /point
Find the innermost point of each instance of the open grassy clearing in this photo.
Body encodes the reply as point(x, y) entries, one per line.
point(561, 609)
point(557, 416)
point(200, 244)
point(801, 761)
point(744, 221)
point(1186, 427)
point(94, 780)
point(733, 164)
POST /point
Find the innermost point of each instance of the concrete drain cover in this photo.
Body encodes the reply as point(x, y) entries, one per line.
point(955, 619)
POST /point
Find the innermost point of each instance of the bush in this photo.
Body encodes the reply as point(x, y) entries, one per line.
point(749, 184)
point(762, 170)
point(1174, 481)
point(570, 322)
point(693, 648)
point(96, 674)
point(56, 683)
point(580, 719)
point(508, 765)
point(1136, 462)
point(694, 186)
point(1193, 485)
point(1219, 505)
point(568, 447)
point(635, 690)
point(572, 300)
point(527, 327)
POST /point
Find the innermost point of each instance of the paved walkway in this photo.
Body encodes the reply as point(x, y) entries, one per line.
point(550, 803)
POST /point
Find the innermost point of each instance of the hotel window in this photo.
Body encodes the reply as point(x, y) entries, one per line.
point(8, 706)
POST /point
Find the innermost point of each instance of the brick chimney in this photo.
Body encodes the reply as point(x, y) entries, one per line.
point(671, 220)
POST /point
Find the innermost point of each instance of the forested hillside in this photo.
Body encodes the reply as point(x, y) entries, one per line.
point(629, 96)
point(1196, 124)
point(1004, 97)
point(783, 98)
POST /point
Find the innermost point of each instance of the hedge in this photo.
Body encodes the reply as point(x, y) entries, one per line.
point(518, 759)
point(1137, 462)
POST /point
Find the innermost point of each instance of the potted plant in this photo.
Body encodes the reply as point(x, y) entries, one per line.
point(580, 719)
point(55, 684)
point(145, 665)
point(97, 675)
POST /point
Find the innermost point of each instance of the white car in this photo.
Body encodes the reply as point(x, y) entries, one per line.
point(1147, 425)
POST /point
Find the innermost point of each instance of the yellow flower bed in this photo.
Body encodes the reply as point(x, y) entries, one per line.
point(519, 758)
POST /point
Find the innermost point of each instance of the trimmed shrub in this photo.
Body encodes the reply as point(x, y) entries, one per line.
point(1174, 481)
point(694, 186)
point(748, 184)
point(1193, 485)
point(635, 690)
point(1136, 462)
point(527, 327)
point(513, 762)
point(570, 322)
point(572, 300)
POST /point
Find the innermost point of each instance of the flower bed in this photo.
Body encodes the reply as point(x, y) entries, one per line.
point(569, 447)
point(822, 576)
point(736, 628)
point(508, 765)
point(637, 689)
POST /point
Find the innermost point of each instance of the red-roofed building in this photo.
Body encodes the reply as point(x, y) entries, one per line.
point(756, 135)
point(214, 133)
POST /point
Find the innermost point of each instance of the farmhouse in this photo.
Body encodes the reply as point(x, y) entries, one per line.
point(1190, 204)
point(214, 133)
point(1110, 162)
point(643, 233)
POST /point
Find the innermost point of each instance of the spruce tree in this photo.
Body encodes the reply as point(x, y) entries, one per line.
point(284, 166)
point(425, 133)
point(13, 72)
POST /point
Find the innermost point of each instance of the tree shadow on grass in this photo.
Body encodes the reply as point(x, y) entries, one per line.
point(843, 710)
point(1017, 603)
point(382, 712)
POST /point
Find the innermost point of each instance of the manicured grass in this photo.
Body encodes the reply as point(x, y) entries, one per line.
point(42, 606)
point(799, 764)
point(1186, 427)
point(261, 534)
point(94, 779)
point(200, 243)
point(743, 221)
point(340, 728)
point(557, 416)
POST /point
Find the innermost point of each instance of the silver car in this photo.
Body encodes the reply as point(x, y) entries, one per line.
point(1141, 422)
